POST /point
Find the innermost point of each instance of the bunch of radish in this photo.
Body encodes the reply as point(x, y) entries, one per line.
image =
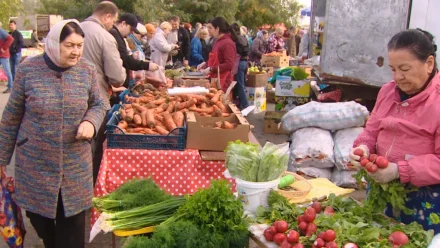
point(280, 234)
point(326, 239)
point(373, 162)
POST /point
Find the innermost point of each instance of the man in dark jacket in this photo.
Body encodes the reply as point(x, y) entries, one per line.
point(15, 48)
point(181, 37)
point(124, 26)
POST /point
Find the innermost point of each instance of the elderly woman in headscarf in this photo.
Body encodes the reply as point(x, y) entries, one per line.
point(276, 41)
point(259, 46)
point(160, 48)
point(52, 114)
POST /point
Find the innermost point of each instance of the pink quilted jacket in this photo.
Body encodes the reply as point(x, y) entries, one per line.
point(407, 132)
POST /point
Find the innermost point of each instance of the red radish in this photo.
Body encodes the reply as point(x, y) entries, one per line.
point(364, 162)
point(293, 236)
point(382, 162)
point(372, 157)
point(285, 244)
point(302, 226)
point(298, 246)
point(398, 239)
point(331, 244)
point(329, 236)
point(372, 168)
point(301, 218)
point(311, 229)
point(279, 238)
point(273, 229)
point(359, 152)
point(281, 226)
point(310, 214)
point(317, 206)
point(329, 210)
point(350, 245)
point(268, 235)
point(321, 235)
point(319, 243)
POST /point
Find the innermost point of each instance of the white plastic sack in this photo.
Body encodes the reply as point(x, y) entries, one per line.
point(344, 178)
point(344, 140)
point(312, 147)
point(316, 172)
point(328, 116)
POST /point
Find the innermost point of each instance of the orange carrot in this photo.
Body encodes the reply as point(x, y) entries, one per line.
point(203, 106)
point(199, 98)
point(226, 114)
point(135, 130)
point(209, 110)
point(158, 117)
point(149, 131)
point(127, 106)
point(227, 125)
point(149, 119)
point(213, 90)
point(139, 107)
point(161, 130)
point(123, 124)
point(178, 118)
point(129, 115)
point(195, 109)
point(186, 104)
point(222, 107)
point(216, 97)
point(217, 112)
point(159, 101)
point(137, 119)
point(168, 121)
point(171, 106)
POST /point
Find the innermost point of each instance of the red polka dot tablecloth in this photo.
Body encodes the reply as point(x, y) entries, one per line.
point(177, 172)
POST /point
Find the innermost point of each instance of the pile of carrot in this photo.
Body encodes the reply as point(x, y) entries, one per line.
point(157, 113)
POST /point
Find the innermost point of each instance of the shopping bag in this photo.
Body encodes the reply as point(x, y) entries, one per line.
point(3, 76)
point(11, 220)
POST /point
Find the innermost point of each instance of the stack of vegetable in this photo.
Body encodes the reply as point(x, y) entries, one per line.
point(380, 195)
point(248, 162)
point(343, 223)
point(212, 217)
point(136, 204)
point(156, 113)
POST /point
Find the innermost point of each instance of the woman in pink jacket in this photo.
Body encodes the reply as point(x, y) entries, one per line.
point(405, 126)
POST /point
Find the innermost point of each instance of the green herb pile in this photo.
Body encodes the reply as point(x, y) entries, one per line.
point(211, 218)
point(248, 162)
point(279, 209)
point(132, 194)
point(379, 195)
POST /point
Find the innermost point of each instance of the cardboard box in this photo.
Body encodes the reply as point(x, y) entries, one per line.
point(286, 103)
point(256, 80)
point(255, 93)
point(270, 96)
point(285, 86)
point(269, 71)
point(271, 121)
point(195, 82)
point(201, 134)
point(260, 105)
point(275, 61)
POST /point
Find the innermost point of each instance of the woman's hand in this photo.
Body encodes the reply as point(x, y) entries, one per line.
point(86, 130)
point(201, 66)
point(206, 71)
point(355, 159)
point(153, 66)
point(386, 175)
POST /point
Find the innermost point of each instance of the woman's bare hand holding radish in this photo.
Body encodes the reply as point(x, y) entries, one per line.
point(357, 153)
point(86, 130)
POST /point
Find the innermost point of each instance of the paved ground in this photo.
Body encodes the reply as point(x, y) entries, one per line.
point(104, 241)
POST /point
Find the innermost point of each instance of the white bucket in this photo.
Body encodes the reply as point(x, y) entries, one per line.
point(254, 194)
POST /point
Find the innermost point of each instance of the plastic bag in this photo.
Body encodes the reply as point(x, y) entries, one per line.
point(286, 71)
point(273, 161)
point(328, 116)
point(242, 160)
point(11, 220)
point(344, 140)
point(344, 178)
point(312, 147)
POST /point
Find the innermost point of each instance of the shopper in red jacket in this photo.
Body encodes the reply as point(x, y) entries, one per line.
point(222, 58)
point(5, 42)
